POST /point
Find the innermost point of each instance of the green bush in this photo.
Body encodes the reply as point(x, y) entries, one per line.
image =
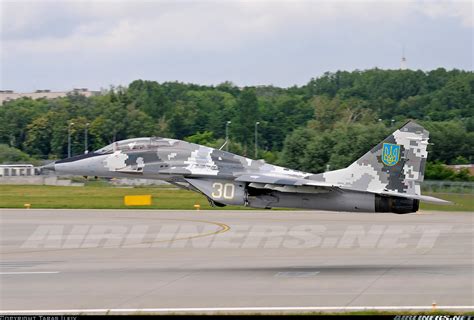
point(9, 155)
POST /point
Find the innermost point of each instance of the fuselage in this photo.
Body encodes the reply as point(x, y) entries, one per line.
point(164, 159)
point(228, 179)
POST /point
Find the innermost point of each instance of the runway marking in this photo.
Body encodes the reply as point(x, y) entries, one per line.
point(223, 309)
point(223, 228)
point(30, 272)
point(296, 274)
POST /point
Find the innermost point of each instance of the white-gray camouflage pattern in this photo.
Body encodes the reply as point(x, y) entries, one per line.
point(385, 179)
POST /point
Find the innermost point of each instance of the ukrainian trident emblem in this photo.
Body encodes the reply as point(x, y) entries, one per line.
point(390, 154)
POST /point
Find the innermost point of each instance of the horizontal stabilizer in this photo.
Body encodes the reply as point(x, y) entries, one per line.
point(417, 197)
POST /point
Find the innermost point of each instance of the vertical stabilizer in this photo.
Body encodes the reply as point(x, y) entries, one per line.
point(397, 164)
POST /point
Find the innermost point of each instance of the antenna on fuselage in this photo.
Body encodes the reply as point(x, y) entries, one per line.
point(223, 145)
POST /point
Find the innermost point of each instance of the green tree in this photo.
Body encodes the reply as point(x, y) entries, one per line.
point(139, 124)
point(205, 138)
point(330, 120)
point(149, 97)
point(182, 121)
point(10, 155)
point(243, 123)
point(38, 137)
point(449, 140)
point(438, 171)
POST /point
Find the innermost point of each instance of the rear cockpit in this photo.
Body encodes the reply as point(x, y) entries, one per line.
point(136, 144)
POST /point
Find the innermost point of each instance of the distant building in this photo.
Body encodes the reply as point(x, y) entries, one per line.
point(457, 167)
point(12, 170)
point(8, 95)
point(403, 62)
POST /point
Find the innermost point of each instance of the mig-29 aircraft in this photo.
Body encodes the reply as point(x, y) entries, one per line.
point(385, 179)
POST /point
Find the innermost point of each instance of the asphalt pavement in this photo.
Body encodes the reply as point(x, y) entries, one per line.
point(207, 261)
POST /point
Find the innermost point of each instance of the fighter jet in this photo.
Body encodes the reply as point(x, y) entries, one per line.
point(385, 179)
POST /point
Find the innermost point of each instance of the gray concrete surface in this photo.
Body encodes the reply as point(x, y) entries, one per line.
point(115, 259)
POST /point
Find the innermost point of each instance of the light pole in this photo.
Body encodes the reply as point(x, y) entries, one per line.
point(256, 139)
point(86, 146)
point(227, 135)
point(70, 124)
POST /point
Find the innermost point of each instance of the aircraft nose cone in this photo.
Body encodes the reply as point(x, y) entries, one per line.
point(49, 167)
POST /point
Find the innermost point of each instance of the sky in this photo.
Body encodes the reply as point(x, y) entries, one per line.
point(60, 45)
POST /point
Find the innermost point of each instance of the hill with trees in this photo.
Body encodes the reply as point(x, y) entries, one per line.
point(329, 122)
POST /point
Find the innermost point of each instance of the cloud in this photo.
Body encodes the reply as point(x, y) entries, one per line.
point(61, 26)
point(203, 34)
point(459, 10)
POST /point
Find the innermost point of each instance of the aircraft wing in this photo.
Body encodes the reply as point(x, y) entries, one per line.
point(129, 170)
point(281, 180)
point(285, 183)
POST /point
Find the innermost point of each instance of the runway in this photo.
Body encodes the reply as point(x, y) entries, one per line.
point(226, 261)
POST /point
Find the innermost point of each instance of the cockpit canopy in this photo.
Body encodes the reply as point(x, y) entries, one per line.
point(132, 144)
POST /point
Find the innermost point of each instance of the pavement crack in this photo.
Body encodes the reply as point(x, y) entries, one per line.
point(147, 292)
point(370, 285)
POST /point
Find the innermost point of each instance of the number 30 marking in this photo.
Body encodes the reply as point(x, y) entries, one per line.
point(225, 190)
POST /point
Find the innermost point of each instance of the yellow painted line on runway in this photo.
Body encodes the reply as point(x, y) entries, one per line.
point(223, 228)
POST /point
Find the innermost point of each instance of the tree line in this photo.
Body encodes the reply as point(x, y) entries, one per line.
point(327, 123)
